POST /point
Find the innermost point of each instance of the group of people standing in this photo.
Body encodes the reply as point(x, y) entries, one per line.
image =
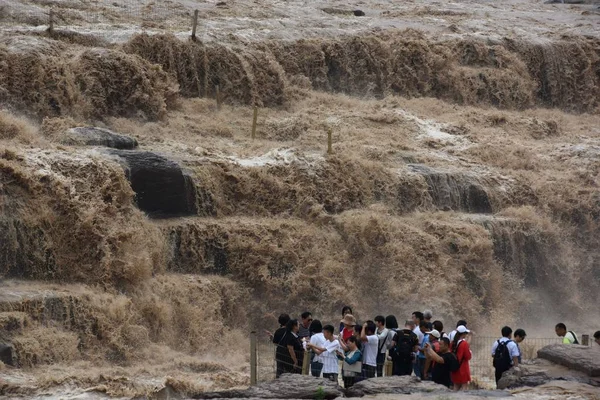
point(421, 347)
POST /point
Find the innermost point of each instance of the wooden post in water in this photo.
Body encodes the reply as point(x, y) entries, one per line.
point(585, 340)
point(329, 142)
point(51, 21)
point(253, 358)
point(218, 96)
point(205, 71)
point(194, 25)
point(305, 362)
point(254, 119)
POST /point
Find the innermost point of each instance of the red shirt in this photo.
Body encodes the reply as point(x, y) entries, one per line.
point(463, 354)
point(346, 333)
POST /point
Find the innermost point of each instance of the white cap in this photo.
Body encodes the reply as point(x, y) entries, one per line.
point(462, 329)
point(435, 333)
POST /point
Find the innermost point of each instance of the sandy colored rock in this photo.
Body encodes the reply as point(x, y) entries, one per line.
point(394, 385)
point(580, 358)
point(288, 386)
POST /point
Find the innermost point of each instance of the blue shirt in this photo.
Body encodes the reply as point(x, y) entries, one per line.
point(425, 340)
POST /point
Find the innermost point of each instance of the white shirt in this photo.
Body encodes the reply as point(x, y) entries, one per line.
point(451, 336)
point(419, 334)
point(318, 339)
point(382, 337)
point(570, 338)
point(513, 349)
point(389, 339)
point(370, 350)
point(329, 357)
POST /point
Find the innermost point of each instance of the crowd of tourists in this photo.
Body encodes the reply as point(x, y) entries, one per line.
point(421, 347)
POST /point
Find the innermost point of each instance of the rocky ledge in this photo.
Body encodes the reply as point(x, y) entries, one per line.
point(579, 358)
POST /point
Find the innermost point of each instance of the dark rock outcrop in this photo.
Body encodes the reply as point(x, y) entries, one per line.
point(522, 377)
point(7, 354)
point(93, 136)
point(456, 191)
point(288, 386)
point(394, 385)
point(579, 358)
point(160, 185)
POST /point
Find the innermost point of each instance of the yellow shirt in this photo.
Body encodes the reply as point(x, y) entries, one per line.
point(569, 338)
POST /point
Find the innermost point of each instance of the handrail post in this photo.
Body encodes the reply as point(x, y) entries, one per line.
point(194, 25)
point(305, 362)
point(254, 120)
point(585, 340)
point(253, 358)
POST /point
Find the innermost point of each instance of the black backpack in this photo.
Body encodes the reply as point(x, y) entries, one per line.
point(502, 360)
point(453, 365)
point(405, 343)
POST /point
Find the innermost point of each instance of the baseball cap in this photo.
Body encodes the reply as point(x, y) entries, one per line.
point(462, 329)
point(435, 333)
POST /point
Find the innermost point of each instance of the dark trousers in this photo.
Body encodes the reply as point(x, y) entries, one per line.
point(316, 368)
point(380, 363)
point(348, 381)
point(279, 370)
point(401, 368)
point(499, 375)
point(331, 377)
point(369, 371)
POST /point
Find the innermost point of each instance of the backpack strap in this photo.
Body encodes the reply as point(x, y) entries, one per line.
point(575, 340)
point(281, 340)
point(380, 347)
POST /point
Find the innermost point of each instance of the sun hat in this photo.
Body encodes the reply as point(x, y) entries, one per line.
point(348, 320)
point(435, 333)
point(462, 329)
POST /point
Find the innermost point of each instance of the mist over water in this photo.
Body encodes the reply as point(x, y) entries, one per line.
point(463, 179)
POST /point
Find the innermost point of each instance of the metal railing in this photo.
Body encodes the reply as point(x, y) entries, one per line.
point(263, 365)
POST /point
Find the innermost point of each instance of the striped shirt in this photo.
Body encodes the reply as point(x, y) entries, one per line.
point(329, 357)
point(303, 332)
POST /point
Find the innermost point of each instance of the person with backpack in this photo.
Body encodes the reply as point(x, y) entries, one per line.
point(444, 362)
point(461, 349)
point(404, 345)
point(567, 337)
point(505, 353)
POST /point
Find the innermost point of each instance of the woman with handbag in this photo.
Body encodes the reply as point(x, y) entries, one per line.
point(352, 366)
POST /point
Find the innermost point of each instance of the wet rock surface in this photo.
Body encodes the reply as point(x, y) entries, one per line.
point(580, 358)
point(94, 136)
point(288, 386)
point(161, 186)
point(394, 385)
